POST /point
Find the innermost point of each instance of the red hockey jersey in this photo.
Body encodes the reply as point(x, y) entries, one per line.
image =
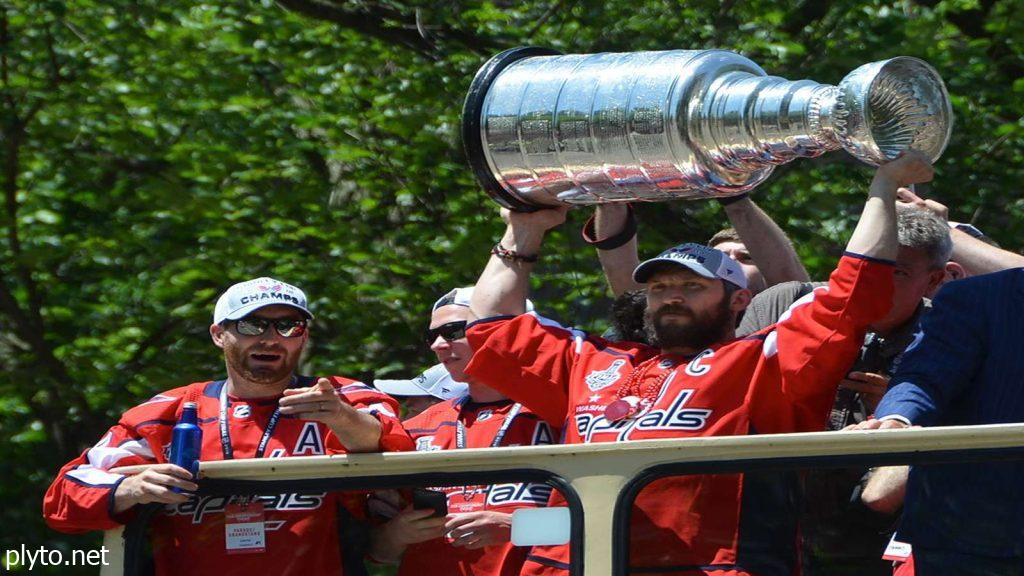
point(189, 538)
point(484, 425)
point(782, 379)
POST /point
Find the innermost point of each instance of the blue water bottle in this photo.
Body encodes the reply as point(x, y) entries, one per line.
point(186, 441)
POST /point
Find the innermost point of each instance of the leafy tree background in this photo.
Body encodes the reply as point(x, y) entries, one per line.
point(152, 153)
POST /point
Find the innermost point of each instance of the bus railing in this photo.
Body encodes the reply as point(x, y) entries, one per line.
point(595, 475)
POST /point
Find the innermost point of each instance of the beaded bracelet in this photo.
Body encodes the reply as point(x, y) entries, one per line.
point(511, 255)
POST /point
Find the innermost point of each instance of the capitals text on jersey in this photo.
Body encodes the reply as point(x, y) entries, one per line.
point(676, 417)
point(199, 507)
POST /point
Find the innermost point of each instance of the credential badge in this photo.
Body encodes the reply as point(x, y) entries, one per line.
point(601, 379)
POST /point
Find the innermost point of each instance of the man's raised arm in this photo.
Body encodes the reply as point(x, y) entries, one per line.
point(768, 245)
point(979, 257)
point(974, 255)
point(618, 259)
point(503, 286)
point(875, 235)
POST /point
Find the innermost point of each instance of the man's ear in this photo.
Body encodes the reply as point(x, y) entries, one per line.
point(217, 334)
point(952, 271)
point(740, 300)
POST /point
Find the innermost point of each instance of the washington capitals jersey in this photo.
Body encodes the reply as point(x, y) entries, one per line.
point(189, 538)
point(438, 428)
point(781, 379)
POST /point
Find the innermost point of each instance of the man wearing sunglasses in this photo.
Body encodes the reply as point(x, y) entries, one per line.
point(474, 538)
point(262, 409)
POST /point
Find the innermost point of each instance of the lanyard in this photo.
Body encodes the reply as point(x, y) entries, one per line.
point(460, 428)
point(225, 437)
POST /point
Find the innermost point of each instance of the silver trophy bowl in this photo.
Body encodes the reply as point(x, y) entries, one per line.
point(544, 129)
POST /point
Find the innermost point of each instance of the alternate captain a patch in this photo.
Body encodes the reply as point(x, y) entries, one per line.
point(309, 442)
point(601, 379)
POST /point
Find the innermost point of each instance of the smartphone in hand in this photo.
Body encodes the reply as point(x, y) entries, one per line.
point(423, 499)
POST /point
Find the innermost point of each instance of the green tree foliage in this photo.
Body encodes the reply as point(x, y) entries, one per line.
point(151, 153)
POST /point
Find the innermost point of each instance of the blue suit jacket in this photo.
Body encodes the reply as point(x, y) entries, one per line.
point(966, 366)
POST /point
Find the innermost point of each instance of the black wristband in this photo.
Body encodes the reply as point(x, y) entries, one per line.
point(612, 242)
point(732, 199)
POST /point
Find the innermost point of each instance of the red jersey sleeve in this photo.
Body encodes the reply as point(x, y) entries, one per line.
point(81, 497)
point(816, 341)
point(528, 359)
point(393, 438)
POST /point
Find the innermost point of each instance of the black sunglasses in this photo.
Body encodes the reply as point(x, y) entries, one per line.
point(450, 331)
point(286, 327)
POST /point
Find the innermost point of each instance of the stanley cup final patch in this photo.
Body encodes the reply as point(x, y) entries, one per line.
point(601, 379)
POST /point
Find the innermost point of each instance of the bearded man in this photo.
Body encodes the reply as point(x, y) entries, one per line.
point(262, 409)
point(697, 380)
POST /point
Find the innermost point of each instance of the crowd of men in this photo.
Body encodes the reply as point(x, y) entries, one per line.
point(729, 338)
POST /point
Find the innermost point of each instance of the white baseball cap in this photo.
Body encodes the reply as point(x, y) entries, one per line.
point(461, 297)
point(435, 381)
point(245, 297)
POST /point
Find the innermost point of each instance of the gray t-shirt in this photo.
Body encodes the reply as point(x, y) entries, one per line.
point(765, 309)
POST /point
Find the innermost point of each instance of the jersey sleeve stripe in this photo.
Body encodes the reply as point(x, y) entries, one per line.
point(110, 501)
point(105, 457)
point(86, 475)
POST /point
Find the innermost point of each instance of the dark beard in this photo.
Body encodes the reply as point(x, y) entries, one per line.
point(238, 359)
point(702, 331)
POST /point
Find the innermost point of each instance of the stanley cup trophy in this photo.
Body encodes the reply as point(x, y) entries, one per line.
point(544, 129)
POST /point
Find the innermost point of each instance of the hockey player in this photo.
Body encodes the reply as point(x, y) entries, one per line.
point(474, 539)
point(263, 409)
point(698, 380)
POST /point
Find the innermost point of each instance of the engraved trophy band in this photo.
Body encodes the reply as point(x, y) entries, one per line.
point(545, 129)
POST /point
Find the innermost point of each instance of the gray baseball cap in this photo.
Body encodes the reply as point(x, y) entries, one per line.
point(707, 262)
point(435, 381)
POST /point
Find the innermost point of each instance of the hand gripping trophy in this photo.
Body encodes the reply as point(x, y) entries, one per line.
point(544, 129)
